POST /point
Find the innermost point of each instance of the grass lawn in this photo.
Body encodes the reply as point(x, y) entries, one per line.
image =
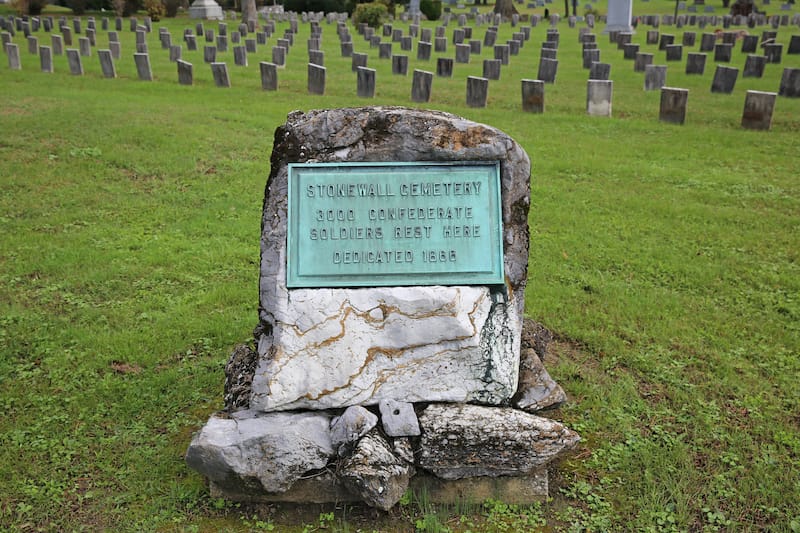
point(665, 258)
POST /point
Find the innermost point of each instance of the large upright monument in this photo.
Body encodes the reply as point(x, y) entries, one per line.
point(206, 9)
point(620, 14)
point(391, 349)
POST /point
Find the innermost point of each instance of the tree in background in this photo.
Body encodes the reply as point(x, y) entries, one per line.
point(249, 11)
point(28, 7)
point(506, 8)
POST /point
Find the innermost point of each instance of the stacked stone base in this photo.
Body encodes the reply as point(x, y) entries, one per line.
point(517, 490)
point(450, 452)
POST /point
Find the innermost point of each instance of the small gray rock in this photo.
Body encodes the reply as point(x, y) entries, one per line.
point(399, 418)
point(537, 390)
point(374, 473)
point(403, 450)
point(354, 423)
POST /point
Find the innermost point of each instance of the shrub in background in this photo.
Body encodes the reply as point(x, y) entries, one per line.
point(432, 9)
point(374, 14)
point(28, 7)
point(155, 9)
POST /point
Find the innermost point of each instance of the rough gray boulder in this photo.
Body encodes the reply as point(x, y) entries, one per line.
point(461, 441)
point(375, 473)
point(354, 423)
point(266, 452)
point(537, 390)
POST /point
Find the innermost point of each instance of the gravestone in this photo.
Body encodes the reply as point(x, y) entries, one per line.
point(269, 76)
point(724, 79)
point(600, 71)
point(209, 54)
point(358, 60)
point(673, 105)
point(46, 59)
point(549, 53)
point(239, 56)
point(66, 33)
point(723, 53)
point(219, 71)
point(548, 69)
point(749, 44)
point(107, 64)
point(332, 350)
point(598, 97)
point(620, 13)
point(629, 51)
point(365, 82)
point(12, 51)
point(175, 53)
point(589, 57)
point(33, 45)
point(666, 40)
point(689, 38)
point(57, 44)
point(317, 57)
point(758, 108)
point(502, 52)
point(444, 67)
point(492, 68)
point(754, 66)
point(794, 45)
point(185, 72)
point(74, 61)
point(115, 49)
point(385, 51)
point(707, 42)
point(400, 65)
point(85, 47)
point(642, 61)
point(279, 55)
point(191, 43)
point(462, 53)
point(477, 91)
point(655, 77)
point(674, 52)
point(773, 52)
point(423, 51)
point(316, 79)
point(652, 37)
point(533, 96)
point(206, 9)
point(143, 67)
point(695, 63)
point(790, 83)
point(421, 84)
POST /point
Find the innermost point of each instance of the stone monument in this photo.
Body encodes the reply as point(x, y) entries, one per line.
point(620, 13)
point(391, 350)
point(206, 9)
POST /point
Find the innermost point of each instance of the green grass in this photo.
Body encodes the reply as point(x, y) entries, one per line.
point(664, 257)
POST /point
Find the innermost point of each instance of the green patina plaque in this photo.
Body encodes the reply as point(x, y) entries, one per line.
point(379, 224)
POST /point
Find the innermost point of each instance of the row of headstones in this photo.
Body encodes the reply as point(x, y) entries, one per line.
point(726, 21)
point(722, 51)
point(757, 113)
point(57, 46)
